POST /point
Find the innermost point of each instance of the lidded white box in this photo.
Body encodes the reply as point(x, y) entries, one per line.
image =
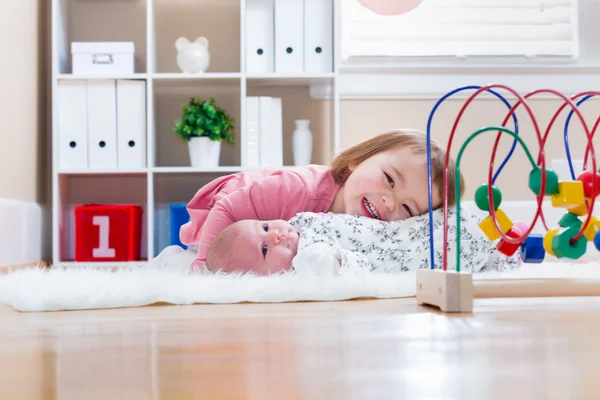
point(100, 58)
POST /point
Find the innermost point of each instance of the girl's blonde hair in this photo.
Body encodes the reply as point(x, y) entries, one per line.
point(413, 139)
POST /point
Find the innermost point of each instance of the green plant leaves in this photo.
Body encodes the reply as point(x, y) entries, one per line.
point(204, 118)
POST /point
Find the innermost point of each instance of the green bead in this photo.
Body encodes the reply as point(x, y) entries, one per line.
point(569, 220)
point(562, 247)
point(481, 197)
point(535, 181)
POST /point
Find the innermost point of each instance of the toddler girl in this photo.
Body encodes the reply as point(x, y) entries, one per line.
point(384, 178)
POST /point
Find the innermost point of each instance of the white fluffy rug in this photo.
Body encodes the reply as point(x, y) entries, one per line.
point(166, 280)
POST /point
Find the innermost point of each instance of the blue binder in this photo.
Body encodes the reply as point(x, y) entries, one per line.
point(178, 217)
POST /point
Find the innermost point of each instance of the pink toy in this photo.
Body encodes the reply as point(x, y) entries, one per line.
point(522, 226)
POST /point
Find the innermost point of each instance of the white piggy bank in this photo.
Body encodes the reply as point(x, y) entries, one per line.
point(192, 57)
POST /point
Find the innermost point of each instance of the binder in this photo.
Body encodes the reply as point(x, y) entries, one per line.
point(277, 131)
point(318, 36)
point(271, 148)
point(102, 123)
point(259, 36)
point(251, 143)
point(72, 125)
point(131, 124)
point(289, 37)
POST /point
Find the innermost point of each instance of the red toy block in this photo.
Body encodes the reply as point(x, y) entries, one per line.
point(108, 232)
point(509, 248)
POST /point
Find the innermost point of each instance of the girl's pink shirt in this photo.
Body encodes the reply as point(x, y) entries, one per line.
point(261, 195)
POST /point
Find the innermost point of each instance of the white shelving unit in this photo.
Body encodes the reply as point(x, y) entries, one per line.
point(154, 25)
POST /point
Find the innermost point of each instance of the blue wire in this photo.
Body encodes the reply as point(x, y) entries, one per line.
point(567, 134)
point(429, 172)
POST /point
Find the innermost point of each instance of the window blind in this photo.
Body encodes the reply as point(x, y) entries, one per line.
point(462, 28)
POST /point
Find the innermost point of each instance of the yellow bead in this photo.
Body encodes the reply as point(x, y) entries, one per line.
point(548, 240)
point(570, 195)
point(580, 210)
point(488, 227)
point(591, 229)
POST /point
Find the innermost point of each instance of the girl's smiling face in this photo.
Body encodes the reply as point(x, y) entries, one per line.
point(390, 186)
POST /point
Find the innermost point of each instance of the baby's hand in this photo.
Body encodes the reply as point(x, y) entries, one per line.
point(317, 259)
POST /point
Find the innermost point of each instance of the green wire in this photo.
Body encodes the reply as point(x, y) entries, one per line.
point(457, 178)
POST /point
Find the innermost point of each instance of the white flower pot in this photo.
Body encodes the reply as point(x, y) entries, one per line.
point(204, 153)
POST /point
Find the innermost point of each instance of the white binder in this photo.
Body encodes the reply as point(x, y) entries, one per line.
point(72, 125)
point(102, 123)
point(289, 37)
point(131, 124)
point(277, 132)
point(251, 143)
point(271, 148)
point(259, 36)
point(318, 36)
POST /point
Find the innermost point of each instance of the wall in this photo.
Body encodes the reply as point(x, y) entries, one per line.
point(24, 136)
point(24, 171)
point(361, 119)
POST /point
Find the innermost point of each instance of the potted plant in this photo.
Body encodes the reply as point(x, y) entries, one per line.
point(204, 126)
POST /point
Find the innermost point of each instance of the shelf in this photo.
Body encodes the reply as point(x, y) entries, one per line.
point(100, 21)
point(169, 95)
point(298, 104)
point(116, 171)
point(98, 189)
point(107, 265)
point(218, 21)
point(258, 80)
point(190, 170)
point(167, 177)
point(187, 77)
point(68, 77)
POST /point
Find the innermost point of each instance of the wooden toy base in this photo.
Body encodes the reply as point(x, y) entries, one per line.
point(450, 291)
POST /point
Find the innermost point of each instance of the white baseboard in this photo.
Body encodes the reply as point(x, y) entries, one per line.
point(24, 233)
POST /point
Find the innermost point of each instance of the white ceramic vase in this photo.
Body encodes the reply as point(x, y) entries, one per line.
point(204, 153)
point(302, 142)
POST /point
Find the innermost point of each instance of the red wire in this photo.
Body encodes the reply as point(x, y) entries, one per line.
point(541, 159)
point(462, 110)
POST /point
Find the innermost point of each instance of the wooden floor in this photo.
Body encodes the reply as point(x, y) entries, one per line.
point(392, 349)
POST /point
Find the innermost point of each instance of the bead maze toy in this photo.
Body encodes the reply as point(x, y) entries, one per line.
point(452, 291)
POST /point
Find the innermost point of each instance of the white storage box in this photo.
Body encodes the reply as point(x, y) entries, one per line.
point(103, 58)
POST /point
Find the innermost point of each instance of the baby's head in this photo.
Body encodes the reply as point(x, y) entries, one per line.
point(385, 177)
point(263, 247)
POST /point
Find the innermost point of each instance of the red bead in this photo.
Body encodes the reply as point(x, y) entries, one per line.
point(108, 232)
point(509, 248)
point(587, 177)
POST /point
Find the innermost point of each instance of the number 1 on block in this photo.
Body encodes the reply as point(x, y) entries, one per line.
point(103, 222)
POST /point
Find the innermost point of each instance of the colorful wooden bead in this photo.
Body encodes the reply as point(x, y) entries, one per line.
point(591, 229)
point(587, 178)
point(507, 248)
point(597, 240)
point(535, 181)
point(562, 246)
point(570, 195)
point(522, 226)
point(481, 197)
point(532, 249)
point(548, 240)
point(580, 210)
point(488, 227)
point(569, 220)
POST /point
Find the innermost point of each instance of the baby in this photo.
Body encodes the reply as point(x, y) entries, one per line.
point(326, 242)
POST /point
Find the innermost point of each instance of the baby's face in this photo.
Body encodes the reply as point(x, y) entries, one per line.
point(269, 245)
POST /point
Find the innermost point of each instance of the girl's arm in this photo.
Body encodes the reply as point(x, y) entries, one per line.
point(275, 197)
